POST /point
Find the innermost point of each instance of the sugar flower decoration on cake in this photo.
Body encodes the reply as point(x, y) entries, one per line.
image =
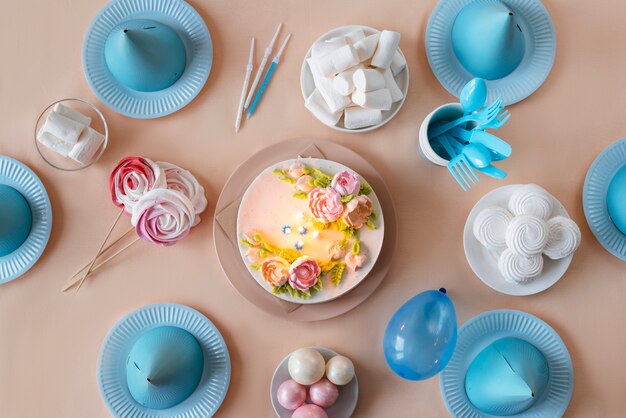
point(275, 271)
point(184, 182)
point(357, 212)
point(163, 216)
point(325, 205)
point(346, 183)
point(304, 184)
point(132, 178)
point(304, 273)
point(296, 169)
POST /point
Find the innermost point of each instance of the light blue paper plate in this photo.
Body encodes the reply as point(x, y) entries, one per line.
point(595, 189)
point(111, 370)
point(15, 174)
point(181, 17)
point(540, 37)
point(484, 329)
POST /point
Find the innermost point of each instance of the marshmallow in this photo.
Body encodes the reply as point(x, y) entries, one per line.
point(324, 47)
point(490, 227)
point(527, 235)
point(531, 200)
point(387, 47)
point(398, 63)
point(563, 238)
point(316, 104)
point(517, 269)
point(343, 81)
point(63, 128)
point(334, 100)
point(337, 61)
point(357, 117)
point(368, 80)
point(88, 144)
point(365, 47)
point(377, 99)
point(54, 143)
point(392, 86)
point(70, 113)
point(355, 36)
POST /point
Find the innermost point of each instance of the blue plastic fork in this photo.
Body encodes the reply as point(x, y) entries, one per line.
point(492, 142)
point(495, 123)
point(483, 116)
point(459, 166)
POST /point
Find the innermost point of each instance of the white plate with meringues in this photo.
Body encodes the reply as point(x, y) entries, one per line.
point(484, 261)
point(310, 230)
point(350, 35)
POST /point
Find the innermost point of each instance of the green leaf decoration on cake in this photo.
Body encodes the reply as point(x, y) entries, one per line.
point(320, 226)
point(365, 189)
point(289, 254)
point(347, 198)
point(336, 274)
point(370, 224)
point(322, 183)
point(246, 242)
point(300, 195)
point(373, 215)
point(317, 286)
point(255, 267)
point(356, 247)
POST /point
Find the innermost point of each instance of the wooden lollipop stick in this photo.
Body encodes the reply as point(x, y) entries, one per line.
point(100, 249)
point(111, 257)
point(73, 282)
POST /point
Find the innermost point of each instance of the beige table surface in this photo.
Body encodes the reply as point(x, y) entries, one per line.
point(49, 341)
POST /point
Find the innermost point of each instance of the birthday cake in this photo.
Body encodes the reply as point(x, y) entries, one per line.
point(309, 230)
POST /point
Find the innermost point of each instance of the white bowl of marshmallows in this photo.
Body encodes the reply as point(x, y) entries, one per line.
point(519, 239)
point(71, 134)
point(355, 78)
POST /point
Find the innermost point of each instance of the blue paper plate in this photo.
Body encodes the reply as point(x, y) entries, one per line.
point(111, 372)
point(595, 189)
point(535, 22)
point(181, 17)
point(15, 174)
point(484, 329)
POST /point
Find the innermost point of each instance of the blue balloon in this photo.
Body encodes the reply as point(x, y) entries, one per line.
point(421, 336)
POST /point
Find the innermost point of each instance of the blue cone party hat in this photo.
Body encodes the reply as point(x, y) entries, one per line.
point(16, 219)
point(164, 367)
point(616, 200)
point(487, 40)
point(506, 377)
point(145, 55)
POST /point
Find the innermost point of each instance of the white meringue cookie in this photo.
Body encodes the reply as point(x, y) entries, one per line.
point(490, 227)
point(531, 199)
point(517, 269)
point(183, 181)
point(527, 235)
point(563, 238)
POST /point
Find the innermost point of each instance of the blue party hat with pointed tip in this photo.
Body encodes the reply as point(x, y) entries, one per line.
point(507, 377)
point(487, 39)
point(16, 219)
point(145, 55)
point(164, 367)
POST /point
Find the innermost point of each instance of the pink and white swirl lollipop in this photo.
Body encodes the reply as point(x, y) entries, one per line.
point(183, 181)
point(132, 178)
point(163, 216)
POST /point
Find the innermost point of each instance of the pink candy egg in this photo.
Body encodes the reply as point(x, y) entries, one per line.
point(323, 393)
point(309, 410)
point(291, 394)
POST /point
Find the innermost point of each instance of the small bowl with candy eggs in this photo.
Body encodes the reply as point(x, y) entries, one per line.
point(314, 382)
point(71, 134)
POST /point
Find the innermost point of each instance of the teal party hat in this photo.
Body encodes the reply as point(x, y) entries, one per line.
point(15, 219)
point(145, 55)
point(487, 40)
point(506, 377)
point(164, 367)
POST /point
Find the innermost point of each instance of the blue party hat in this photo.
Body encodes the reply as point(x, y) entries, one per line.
point(616, 200)
point(145, 55)
point(164, 367)
point(506, 377)
point(16, 219)
point(487, 40)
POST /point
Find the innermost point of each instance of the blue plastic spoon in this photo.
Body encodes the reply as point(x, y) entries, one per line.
point(477, 154)
point(474, 95)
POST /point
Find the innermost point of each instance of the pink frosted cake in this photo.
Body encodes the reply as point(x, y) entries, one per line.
point(310, 230)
